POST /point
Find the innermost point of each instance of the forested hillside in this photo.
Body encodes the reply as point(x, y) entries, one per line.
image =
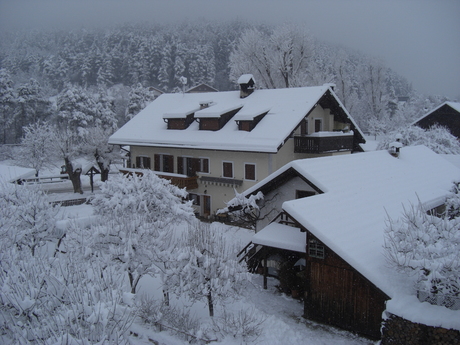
point(120, 63)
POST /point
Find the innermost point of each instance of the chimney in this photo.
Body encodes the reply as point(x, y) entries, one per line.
point(246, 82)
point(395, 146)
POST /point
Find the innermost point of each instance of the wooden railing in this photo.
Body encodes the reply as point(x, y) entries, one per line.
point(183, 182)
point(322, 144)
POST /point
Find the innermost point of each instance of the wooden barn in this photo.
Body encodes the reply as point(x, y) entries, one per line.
point(446, 115)
point(341, 205)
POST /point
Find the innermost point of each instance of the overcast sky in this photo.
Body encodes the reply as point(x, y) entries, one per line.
point(418, 39)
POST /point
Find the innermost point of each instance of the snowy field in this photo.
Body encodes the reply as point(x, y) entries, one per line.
point(280, 314)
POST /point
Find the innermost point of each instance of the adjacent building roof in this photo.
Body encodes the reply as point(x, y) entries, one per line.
point(14, 173)
point(287, 107)
point(359, 193)
point(447, 115)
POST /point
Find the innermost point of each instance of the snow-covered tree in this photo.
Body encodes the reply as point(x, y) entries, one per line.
point(139, 214)
point(148, 196)
point(27, 219)
point(36, 147)
point(426, 244)
point(438, 139)
point(278, 59)
point(207, 267)
point(244, 210)
point(31, 106)
point(139, 98)
point(61, 300)
point(7, 103)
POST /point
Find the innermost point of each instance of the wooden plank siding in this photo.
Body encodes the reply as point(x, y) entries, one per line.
point(338, 295)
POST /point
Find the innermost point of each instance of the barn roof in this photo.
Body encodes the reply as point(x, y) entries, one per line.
point(286, 108)
point(359, 193)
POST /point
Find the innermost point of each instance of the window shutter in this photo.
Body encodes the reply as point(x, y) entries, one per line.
point(205, 165)
point(228, 169)
point(180, 165)
point(156, 162)
point(249, 171)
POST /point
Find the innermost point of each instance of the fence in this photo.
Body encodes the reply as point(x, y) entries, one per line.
point(448, 301)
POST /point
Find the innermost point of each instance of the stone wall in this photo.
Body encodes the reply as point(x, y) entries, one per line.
point(398, 331)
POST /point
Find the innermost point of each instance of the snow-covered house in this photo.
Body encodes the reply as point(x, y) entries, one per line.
point(215, 142)
point(331, 215)
point(446, 115)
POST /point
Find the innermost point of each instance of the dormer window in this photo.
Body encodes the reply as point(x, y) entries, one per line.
point(248, 118)
point(215, 117)
point(180, 118)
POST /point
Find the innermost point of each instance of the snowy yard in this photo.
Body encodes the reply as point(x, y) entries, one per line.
point(281, 314)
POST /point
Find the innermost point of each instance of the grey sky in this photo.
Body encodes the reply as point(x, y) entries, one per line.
point(418, 39)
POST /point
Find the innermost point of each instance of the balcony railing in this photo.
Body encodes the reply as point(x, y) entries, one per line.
point(179, 180)
point(182, 182)
point(323, 142)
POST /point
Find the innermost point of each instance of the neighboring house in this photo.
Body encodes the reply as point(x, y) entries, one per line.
point(328, 225)
point(446, 115)
point(213, 143)
point(201, 88)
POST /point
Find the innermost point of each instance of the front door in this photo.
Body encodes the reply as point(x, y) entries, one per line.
point(206, 205)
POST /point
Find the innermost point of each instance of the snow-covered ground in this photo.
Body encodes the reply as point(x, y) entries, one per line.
point(281, 314)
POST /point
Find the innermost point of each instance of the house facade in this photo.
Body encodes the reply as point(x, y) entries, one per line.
point(214, 143)
point(446, 115)
point(330, 213)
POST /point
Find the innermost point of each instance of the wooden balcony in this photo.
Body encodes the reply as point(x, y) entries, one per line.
point(324, 142)
point(182, 182)
point(179, 180)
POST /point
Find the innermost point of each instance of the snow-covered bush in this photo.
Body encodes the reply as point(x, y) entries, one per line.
point(437, 138)
point(149, 196)
point(243, 210)
point(245, 324)
point(27, 219)
point(206, 267)
point(60, 300)
point(426, 245)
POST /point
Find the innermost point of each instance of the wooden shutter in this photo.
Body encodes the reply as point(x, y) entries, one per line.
point(250, 172)
point(156, 162)
point(205, 163)
point(228, 169)
point(180, 165)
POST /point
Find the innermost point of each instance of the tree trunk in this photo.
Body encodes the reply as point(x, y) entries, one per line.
point(104, 170)
point(210, 304)
point(74, 176)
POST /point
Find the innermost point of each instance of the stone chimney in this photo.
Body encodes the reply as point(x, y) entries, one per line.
point(246, 82)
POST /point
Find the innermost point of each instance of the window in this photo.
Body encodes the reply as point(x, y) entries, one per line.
point(318, 125)
point(164, 163)
point(195, 198)
point(143, 162)
point(227, 169)
point(250, 172)
point(190, 166)
point(303, 194)
point(315, 249)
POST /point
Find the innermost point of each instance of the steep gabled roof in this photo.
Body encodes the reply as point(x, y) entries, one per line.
point(287, 107)
point(453, 105)
point(359, 192)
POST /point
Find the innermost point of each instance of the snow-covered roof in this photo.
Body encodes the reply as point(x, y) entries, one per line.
point(245, 78)
point(453, 105)
point(287, 107)
point(360, 191)
point(13, 173)
point(281, 236)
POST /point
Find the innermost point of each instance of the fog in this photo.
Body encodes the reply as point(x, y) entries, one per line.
point(418, 39)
